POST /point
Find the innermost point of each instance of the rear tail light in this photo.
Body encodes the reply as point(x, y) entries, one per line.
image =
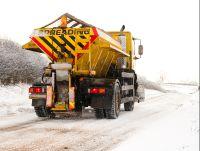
point(31, 90)
point(97, 91)
point(37, 90)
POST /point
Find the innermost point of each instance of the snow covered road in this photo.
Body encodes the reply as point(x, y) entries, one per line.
point(161, 116)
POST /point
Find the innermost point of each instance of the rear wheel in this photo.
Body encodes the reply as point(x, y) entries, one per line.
point(129, 106)
point(42, 111)
point(99, 113)
point(113, 113)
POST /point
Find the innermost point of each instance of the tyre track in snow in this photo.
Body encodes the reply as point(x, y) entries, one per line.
point(85, 133)
point(20, 125)
point(30, 122)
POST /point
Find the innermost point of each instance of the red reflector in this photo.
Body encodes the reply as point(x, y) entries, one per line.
point(31, 90)
point(102, 91)
point(94, 91)
point(35, 90)
point(97, 91)
point(38, 90)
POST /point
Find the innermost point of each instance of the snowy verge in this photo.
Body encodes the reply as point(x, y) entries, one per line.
point(150, 85)
point(14, 100)
point(179, 131)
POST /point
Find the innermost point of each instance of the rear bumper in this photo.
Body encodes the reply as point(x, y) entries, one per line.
point(37, 96)
point(39, 102)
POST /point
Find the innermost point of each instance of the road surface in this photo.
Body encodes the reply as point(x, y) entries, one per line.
point(24, 131)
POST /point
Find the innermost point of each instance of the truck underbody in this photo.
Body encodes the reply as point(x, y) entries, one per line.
point(104, 95)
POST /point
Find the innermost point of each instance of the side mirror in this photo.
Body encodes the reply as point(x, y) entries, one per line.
point(140, 50)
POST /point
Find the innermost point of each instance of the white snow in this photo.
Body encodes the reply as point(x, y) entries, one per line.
point(14, 99)
point(179, 131)
point(165, 122)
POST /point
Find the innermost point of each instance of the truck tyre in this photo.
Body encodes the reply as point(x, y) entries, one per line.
point(129, 106)
point(99, 113)
point(113, 113)
point(42, 111)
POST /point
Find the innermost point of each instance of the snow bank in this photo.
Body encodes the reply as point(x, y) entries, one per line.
point(14, 99)
point(186, 89)
point(179, 131)
point(150, 85)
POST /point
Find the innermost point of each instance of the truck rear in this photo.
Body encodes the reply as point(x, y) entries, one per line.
point(89, 67)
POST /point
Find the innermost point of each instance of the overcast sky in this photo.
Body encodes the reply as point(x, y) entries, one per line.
point(169, 28)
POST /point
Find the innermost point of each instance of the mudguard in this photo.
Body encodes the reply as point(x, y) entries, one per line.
point(98, 100)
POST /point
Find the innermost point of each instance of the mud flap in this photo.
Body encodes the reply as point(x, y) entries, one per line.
point(71, 98)
point(38, 102)
point(49, 99)
point(104, 102)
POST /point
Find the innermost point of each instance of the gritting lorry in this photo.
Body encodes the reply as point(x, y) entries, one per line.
point(89, 68)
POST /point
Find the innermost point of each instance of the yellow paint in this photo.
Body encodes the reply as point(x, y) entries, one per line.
point(63, 21)
point(49, 100)
point(103, 52)
point(71, 98)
